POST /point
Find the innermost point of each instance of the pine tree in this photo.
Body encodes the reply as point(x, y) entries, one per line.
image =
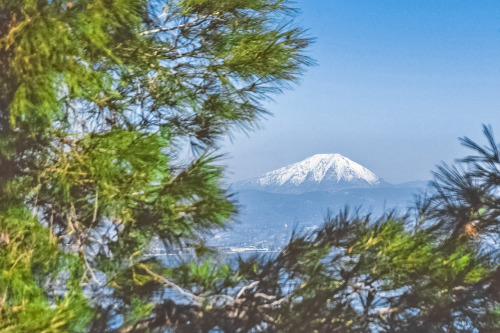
point(430, 272)
point(98, 99)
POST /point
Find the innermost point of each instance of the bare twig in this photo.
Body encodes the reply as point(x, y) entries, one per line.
point(245, 288)
point(268, 297)
point(96, 206)
point(197, 21)
point(171, 284)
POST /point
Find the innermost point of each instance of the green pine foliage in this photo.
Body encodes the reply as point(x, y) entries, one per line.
point(33, 268)
point(99, 100)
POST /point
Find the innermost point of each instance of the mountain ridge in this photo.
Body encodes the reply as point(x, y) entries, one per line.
point(320, 172)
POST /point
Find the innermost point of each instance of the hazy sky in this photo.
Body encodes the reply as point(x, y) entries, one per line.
point(397, 83)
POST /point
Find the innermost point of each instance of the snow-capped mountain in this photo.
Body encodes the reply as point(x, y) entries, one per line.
point(322, 172)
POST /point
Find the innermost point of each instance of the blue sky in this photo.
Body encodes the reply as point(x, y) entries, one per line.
point(397, 83)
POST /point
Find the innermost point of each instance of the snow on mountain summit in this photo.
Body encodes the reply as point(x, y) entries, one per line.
point(321, 172)
point(318, 168)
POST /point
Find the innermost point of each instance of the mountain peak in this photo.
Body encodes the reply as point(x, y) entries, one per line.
point(320, 172)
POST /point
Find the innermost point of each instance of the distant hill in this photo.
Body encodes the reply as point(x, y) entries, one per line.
point(267, 219)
